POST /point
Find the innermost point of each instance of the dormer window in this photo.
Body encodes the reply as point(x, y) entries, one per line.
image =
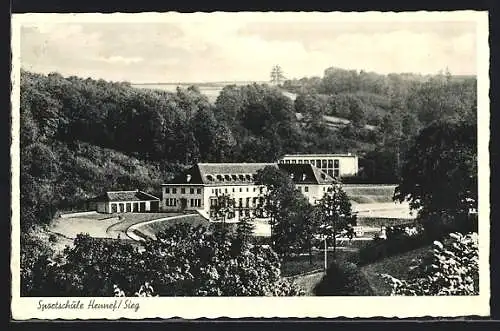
point(304, 177)
point(227, 177)
point(292, 175)
point(242, 178)
point(220, 178)
point(248, 177)
point(210, 178)
point(188, 178)
point(235, 177)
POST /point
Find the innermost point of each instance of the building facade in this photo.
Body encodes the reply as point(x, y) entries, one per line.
point(334, 165)
point(125, 202)
point(200, 187)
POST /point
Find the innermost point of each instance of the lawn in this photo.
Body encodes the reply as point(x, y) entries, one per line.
point(300, 264)
point(150, 230)
point(308, 282)
point(129, 219)
point(397, 266)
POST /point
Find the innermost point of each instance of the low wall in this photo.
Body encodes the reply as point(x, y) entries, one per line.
point(82, 213)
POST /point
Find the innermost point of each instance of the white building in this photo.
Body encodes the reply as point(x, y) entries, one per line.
point(125, 202)
point(198, 187)
point(335, 165)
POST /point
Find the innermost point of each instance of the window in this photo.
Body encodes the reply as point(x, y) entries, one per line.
point(336, 172)
point(306, 188)
point(287, 161)
point(300, 188)
point(330, 163)
point(241, 202)
point(300, 161)
point(281, 161)
point(323, 163)
point(255, 189)
point(198, 190)
point(247, 189)
point(174, 190)
point(183, 190)
point(225, 190)
point(167, 190)
point(318, 163)
point(171, 202)
point(293, 161)
point(330, 172)
point(191, 191)
point(247, 204)
point(213, 202)
point(233, 189)
point(241, 190)
point(335, 163)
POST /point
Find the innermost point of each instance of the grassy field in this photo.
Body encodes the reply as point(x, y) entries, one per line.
point(396, 266)
point(308, 282)
point(150, 230)
point(300, 264)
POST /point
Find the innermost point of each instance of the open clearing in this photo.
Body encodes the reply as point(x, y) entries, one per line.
point(104, 226)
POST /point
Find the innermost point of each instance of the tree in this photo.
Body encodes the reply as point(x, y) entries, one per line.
point(284, 205)
point(223, 209)
point(244, 233)
point(452, 268)
point(277, 75)
point(336, 217)
point(439, 175)
point(181, 261)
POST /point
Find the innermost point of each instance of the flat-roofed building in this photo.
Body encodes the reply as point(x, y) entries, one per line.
point(199, 187)
point(125, 202)
point(335, 165)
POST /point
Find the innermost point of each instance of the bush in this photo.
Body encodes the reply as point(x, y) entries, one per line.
point(343, 279)
point(451, 269)
point(181, 261)
point(406, 237)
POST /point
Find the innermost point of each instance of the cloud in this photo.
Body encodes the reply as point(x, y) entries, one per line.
point(121, 59)
point(241, 48)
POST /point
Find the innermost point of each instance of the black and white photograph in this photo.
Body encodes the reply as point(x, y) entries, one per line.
point(250, 165)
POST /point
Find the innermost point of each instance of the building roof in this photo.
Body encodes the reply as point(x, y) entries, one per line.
point(319, 155)
point(304, 173)
point(112, 196)
point(220, 173)
point(243, 174)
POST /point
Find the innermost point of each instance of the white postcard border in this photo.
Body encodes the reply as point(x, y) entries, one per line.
point(23, 308)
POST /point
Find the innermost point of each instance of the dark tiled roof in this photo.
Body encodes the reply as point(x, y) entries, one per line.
point(304, 173)
point(125, 196)
point(242, 173)
point(220, 173)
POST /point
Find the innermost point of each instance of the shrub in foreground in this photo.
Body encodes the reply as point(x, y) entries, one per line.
point(451, 269)
point(343, 279)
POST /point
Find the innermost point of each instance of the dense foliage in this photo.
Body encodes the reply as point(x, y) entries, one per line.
point(336, 216)
point(182, 261)
point(452, 268)
point(287, 209)
point(343, 279)
point(439, 175)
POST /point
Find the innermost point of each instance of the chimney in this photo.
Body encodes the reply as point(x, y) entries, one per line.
point(188, 178)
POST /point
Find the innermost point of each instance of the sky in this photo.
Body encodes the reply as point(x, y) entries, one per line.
point(237, 47)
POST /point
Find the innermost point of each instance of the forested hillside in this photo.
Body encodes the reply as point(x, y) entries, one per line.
point(82, 136)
